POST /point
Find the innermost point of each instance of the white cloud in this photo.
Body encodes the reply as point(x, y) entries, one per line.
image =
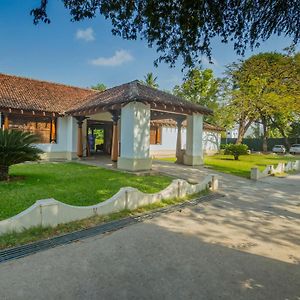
point(85, 34)
point(120, 57)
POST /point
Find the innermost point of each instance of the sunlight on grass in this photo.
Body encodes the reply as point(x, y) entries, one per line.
point(241, 167)
point(71, 183)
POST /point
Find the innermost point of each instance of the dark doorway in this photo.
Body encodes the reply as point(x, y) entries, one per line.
point(99, 137)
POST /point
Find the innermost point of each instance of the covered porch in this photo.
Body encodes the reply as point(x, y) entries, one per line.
point(127, 111)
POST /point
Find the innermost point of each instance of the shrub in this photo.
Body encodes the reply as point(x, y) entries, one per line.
point(236, 150)
point(15, 148)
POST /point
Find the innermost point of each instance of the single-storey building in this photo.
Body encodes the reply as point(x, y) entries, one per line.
point(125, 117)
point(163, 134)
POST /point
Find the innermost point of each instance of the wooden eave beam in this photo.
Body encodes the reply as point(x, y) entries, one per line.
point(29, 113)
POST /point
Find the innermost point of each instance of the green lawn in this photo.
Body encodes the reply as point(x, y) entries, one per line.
point(71, 183)
point(242, 167)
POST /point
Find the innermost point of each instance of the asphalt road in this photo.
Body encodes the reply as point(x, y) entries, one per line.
point(242, 246)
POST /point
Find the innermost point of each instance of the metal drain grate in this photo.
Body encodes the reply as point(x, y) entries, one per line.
point(25, 250)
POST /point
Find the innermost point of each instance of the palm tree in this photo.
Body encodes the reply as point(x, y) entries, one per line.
point(15, 148)
point(150, 80)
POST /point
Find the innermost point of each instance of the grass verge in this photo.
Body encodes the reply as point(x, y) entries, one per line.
point(241, 167)
point(34, 234)
point(71, 183)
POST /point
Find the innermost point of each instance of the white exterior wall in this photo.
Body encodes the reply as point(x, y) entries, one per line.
point(211, 142)
point(66, 141)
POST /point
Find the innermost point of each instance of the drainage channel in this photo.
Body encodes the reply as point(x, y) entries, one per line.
point(25, 250)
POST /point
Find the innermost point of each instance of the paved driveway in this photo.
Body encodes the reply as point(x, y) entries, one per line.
point(242, 246)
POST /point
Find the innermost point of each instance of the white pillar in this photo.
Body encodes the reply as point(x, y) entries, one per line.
point(194, 151)
point(135, 137)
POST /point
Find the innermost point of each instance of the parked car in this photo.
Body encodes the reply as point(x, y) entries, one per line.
point(279, 149)
point(295, 149)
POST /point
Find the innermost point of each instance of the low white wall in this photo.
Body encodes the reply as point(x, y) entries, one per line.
point(50, 212)
point(270, 169)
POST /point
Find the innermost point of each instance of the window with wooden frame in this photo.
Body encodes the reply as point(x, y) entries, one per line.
point(155, 135)
point(44, 128)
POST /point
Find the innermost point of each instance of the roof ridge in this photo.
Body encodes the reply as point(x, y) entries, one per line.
point(133, 89)
point(48, 81)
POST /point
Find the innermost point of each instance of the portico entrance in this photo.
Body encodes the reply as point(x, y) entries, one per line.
point(130, 108)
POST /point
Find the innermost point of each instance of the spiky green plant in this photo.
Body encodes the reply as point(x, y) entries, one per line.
point(15, 148)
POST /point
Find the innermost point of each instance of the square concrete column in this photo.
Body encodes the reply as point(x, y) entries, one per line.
point(135, 137)
point(194, 152)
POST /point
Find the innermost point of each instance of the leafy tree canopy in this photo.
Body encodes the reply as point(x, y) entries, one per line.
point(265, 87)
point(181, 28)
point(201, 87)
point(100, 87)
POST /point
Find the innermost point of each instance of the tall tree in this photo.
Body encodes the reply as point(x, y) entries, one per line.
point(201, 87)
point(99, 86)
point(184, 29)
point(265, 89)
point(150, 80)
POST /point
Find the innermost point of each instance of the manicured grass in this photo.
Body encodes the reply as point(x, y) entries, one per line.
point(38, 233)
point(71, 183)
point(241, 167)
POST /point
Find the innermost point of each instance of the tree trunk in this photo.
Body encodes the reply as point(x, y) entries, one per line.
point(243, 127)
point(3, 173)
point(265, 135)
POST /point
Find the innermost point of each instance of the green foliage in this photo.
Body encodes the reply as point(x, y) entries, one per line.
point(150, 80)
point(295, 130)
point(71, 183)
point(100, 87)
point(184, 29)
point(15, 148)
point(236, 150)
point(265, 88)
point(201, 87)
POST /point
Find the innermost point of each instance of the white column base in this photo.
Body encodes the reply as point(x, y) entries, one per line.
point(190, 160)
point(134, 164)
point(53, 156)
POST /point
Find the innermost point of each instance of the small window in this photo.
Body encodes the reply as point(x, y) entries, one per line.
point(44, 128)
point(155, 135)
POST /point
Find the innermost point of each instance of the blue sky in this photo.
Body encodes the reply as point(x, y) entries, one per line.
point(85, 53)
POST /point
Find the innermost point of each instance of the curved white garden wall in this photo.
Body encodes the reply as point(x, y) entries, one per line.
point(270, 169)
point(50, 212)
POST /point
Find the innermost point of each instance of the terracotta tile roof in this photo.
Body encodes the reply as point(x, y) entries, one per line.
point(172, 123)
point(136, 91)
point(36, 95)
